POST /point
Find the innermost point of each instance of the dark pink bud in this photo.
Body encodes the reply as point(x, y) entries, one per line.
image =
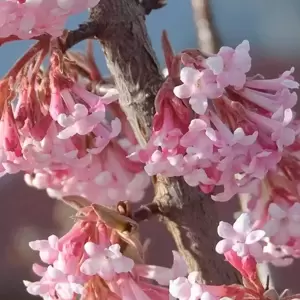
point(11, 136)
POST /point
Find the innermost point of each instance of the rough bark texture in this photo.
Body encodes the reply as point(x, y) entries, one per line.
point(207, 39)
point(190, 216)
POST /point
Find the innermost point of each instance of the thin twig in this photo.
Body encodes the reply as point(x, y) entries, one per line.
point(206, 34)
point(72, 37)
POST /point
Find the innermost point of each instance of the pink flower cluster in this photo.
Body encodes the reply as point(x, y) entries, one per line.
point(61, 136)
point(273, 238)
point(26, 18)
point(189, 288)
point(219, 128)
point(88, 261)
point(230, 134)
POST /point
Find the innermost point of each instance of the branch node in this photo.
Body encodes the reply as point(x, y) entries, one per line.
point(87, 30)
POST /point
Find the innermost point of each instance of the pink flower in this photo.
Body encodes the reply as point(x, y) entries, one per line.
point(283, 82)
point(240, 237)
point(48, 249)
point(163, 151)
point(198, 86)
point(105, 262)
point(84, 118)
point(26, 19)
point(230, 66)
point(183, 288)
point(53, 283)
point(277, 127)
point(283, 223)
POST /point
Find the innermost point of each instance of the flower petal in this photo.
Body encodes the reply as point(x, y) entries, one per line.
point(254, 236)
point(226, 231)
point(242, 224)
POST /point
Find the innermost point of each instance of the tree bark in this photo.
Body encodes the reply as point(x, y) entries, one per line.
point(190, 216)
point(207, 39)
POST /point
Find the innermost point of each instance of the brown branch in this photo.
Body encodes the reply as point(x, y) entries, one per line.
point(85, 31)
point(206, 34)
point(190, 216)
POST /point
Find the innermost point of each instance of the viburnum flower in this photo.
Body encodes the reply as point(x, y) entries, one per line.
point(57, 128)
point(27, 19)
point(283, 223)
point(240, 237)
point(231, 65)
point(199, 87)
point(183, 288)
point(105, 262)
point(239, 128)
point(169, 124)
point(86, 261)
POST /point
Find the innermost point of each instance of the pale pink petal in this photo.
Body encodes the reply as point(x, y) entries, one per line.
point(183, 91)
point(67, 132)
point(256, 250)
point(190, 75)
point(294, 228)
point(240, 249)
point(180, 288)
point(179, 267)
point(243, 223)
point(116, 127)
point(53, 240)
point(39, 245)
point(226, 231)
point(272, 227)
point(208, 296)
point(64, 291)
point(92, 249)
point(276, 212)
point(254, 236)
point(216, 64)
point(196, 291)
point(223, 246)
point(80, 111)
point(199, 104)
point(294, 212)
point(91, 266)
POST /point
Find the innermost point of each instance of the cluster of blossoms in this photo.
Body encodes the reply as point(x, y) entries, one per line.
point(26, 18)
point(233, 133)
point(68, 140)
point(222, 131)
point(96, 261)
point(88, 261)
point(230, 134)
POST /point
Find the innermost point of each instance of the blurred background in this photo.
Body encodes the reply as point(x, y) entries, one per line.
point(271, 26)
